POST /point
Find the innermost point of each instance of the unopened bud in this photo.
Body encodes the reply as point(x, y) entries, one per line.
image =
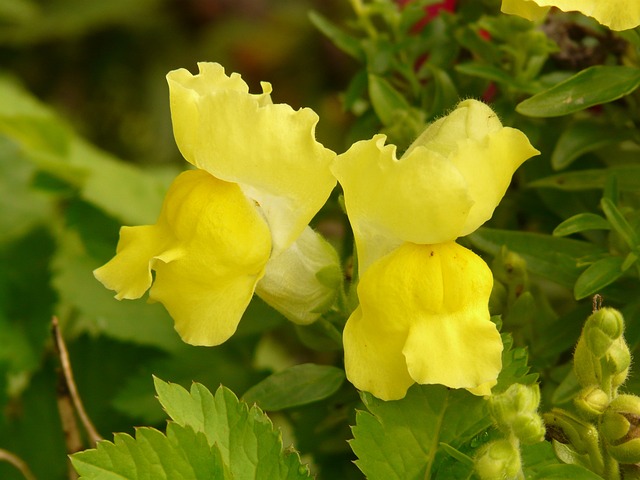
point(516, 411)
point(592, 401)
point(601, 329)
point(499, 459)
point(621, 428)
point(568, 429)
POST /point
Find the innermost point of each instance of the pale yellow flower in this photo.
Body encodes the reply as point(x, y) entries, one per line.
point(261, 177)
point(423, 314)
point(615, 14)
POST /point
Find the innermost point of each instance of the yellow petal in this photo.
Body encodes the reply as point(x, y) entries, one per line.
point(209, 248)
point(422, 198)
point(373, 358)
point(615, 14)
point(269, 150)
point(524, 8)
point(484, 152)
point(447, 184)
point(431, 301)
point(302, 282)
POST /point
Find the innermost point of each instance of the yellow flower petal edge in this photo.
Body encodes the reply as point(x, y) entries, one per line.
point(615, 14)
point(446, 185)
point(524, 8)
point(423, 317)
point(208, 248)
point(268, 149)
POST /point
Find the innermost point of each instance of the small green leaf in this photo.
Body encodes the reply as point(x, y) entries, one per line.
point(563, 471)
point(295, 386)
point(619, 223)
point(583, 137)
point(551, 257)
point(628, 177)
point(592, 86)
point(250, 446)
point(580, 223)
point(495, 74)
point(597, 276)
point(386, 100)
point(345, 42)
point(629, 261)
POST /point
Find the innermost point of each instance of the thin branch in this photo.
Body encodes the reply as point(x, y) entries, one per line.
point(72, 436)
point(18, 463)
point(63, 354)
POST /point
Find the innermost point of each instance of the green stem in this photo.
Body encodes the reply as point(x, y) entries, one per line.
point(360, 11)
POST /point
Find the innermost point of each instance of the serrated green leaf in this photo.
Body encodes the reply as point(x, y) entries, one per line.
point(583, 137)
point(386, 100)
point(250, 446)
point(345, 42)
point(400, 439)
point(295, 386)
point(599, 274)
point(551, 257)
point(628, 177)
point(580, 223)
point(589, 87)
point(182, 453)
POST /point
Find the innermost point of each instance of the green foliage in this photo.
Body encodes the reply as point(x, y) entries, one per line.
point(210, 436)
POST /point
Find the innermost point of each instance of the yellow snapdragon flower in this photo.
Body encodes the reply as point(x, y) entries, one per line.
point(423, 315)
point(615, 14)
point(238, 222)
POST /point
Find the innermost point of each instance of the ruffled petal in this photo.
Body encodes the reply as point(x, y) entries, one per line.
point(373, 359)
point(302, 282)
point(430, 303)
point(422, 198)
point(524, 8)
point(209, 248)
point(615, 14)
point(269, 150)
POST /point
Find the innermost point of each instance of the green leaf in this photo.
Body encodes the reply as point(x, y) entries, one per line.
point(583, 137)
point(182, 453)
point(345, 42)
point(592, 86)
point(580, 223)
point(295, 386)
point(619, 223)
point(628, 177)
point(386, 100)
point(401, 439)
point(250, 447)
point(564, 471)
point(489, 72)
point(599, 274)
point(551, 257)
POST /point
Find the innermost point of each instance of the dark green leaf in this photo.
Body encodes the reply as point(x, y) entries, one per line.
point(386, 100)
point(599, 274)
point(551, 257)
point(619, 223)
point(592, 86)
point(295, 386)
point(628, 177)
point(580, 223)
point(341, 39)
point(496, 74)
point(582, 137)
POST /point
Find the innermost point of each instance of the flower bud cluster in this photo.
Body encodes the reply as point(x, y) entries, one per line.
point(601, 359)
point(515, 412)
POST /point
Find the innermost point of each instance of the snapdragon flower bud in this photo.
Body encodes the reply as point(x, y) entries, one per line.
point(516, 411)
point(621, 428)
point(592, 401)
point(499, 459)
